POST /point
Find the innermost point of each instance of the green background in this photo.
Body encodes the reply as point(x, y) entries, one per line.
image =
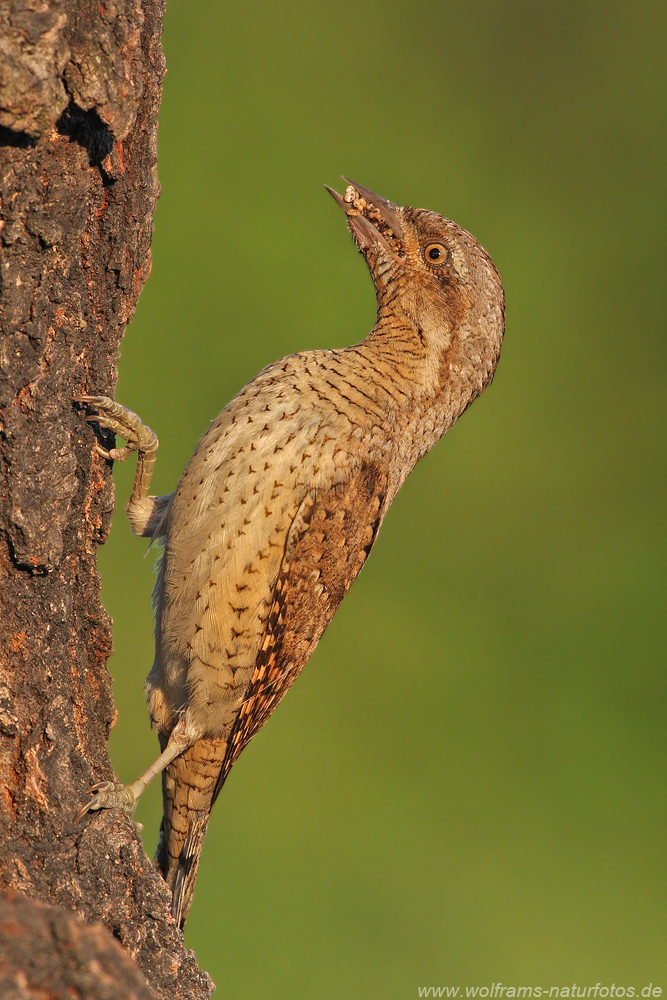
point(467, 783)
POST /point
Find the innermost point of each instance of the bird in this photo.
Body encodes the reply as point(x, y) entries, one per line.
point(282, 500)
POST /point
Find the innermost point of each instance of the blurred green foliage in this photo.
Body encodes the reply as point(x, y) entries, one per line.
point(466, 785)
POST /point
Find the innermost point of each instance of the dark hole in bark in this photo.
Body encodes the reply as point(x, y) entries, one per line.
point(104, 437)
point(88, 130)
point(21, 140)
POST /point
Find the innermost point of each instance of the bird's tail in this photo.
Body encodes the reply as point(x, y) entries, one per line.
point(189, 786)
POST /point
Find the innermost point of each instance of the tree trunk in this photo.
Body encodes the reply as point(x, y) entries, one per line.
point(80, 87)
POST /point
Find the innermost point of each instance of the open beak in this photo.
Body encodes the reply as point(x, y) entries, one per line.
point(373, 220)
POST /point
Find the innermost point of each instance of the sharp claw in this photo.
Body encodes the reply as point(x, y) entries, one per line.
point(101, 786)
point(103, 452)
point(90, 400)
point(82, 812)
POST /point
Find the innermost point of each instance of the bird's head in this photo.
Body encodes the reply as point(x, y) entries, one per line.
point(426, 270)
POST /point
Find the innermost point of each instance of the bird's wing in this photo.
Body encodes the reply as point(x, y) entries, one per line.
point(327, 545)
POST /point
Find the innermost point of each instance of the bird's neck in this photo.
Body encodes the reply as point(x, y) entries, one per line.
point(398, 344)
point(395, 340)
point(433, 378)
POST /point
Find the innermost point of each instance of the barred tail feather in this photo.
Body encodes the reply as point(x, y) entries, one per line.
point(188, 790)
point(188, 867)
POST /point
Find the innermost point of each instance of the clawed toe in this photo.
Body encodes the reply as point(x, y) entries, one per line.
point(108, 795)
point(91, 400)
point(116, 454)
point(119, 419)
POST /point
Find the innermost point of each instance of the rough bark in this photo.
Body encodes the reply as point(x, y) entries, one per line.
point(80, 87)
point(46, 952)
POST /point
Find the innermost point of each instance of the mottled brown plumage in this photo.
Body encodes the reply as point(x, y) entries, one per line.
point(282, 500)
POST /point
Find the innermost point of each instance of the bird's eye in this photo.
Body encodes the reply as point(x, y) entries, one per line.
point(435, 253)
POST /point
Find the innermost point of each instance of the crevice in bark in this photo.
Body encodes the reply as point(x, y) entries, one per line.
point(19, 140)
point(104, 437)
point(88, 130)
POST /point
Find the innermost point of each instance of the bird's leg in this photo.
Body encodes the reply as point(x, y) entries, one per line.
point(113, 795)
point(146, 514)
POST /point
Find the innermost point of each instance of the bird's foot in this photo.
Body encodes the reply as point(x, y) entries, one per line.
point(114, 417)
point(109, 795)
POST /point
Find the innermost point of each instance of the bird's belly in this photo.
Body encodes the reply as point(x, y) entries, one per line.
point(209, 634)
